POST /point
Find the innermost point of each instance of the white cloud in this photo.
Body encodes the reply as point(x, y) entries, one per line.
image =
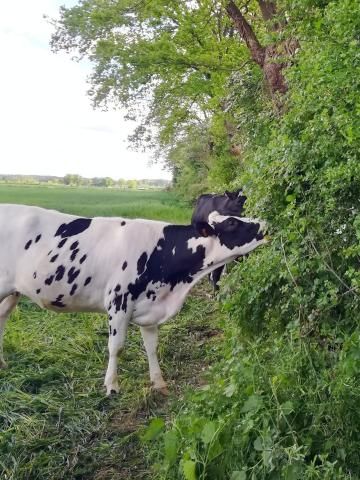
point(47, 124)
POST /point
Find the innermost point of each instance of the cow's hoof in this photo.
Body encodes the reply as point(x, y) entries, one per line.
point(112, 389)
point(162, 390)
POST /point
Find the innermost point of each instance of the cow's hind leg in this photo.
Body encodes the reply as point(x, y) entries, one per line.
point(150, 338)
point(117, 333)
point(6, 307)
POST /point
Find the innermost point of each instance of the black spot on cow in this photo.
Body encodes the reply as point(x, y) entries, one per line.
point(117, 302)
point(141, 263)
point(27, 245)
point(34, 275)
point(53, 259)
point(168, 268)
point(114, 332)
point(59, 273)
point(109, 307)
point(73, 274)
point(124, 265)
point(74, 245)
point(150, 293)
point(120, 302)
point(109, 292)
point(75, 227)
point(37, 238)
point(74, 253)
point(73, 289)
point(58, 302)
point(87, 281)
point(62, 242)
point(110, 330)
point(50, 252)
point(124, 303)
point(82, 259)
point(117, 288)
point(123, 223)
point(49, 280)
point(110, 318)
point(38, 291)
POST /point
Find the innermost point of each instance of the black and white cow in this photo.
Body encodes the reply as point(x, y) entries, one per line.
point(228, 203)
point(134, 270)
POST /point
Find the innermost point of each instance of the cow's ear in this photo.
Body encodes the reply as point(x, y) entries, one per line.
point(204, 229)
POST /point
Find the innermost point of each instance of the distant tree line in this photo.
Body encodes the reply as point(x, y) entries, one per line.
point(79, 181)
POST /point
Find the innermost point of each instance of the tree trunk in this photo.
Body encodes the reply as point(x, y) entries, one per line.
point(268, 58)
point(273, 69)
point(246, 33)
point(268, 9)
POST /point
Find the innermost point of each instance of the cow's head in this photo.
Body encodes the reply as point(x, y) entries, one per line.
point(232, 204)
point(239, 235)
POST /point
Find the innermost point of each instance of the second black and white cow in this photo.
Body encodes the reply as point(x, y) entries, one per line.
point(136, 271)
point(228, 203)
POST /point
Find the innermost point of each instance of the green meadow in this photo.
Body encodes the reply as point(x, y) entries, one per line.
point(156, 205)
point(55, 420)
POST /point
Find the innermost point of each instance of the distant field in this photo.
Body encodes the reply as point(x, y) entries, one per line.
point(158, 205)
point(55, 421)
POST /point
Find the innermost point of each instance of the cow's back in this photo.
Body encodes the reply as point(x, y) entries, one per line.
point(204, 206)
point(22, 225)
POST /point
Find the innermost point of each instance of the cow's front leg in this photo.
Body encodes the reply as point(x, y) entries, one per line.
point(150, 338)
point(118, 324)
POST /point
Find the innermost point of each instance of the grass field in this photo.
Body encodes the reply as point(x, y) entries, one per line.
point(55, 420)
point(158, 205)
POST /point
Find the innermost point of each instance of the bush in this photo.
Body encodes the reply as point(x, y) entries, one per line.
point(283, 404)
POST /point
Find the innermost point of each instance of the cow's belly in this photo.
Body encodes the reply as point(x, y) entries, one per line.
point(55, 299)
point(155, 311)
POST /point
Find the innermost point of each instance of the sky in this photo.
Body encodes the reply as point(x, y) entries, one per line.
point(47, 123)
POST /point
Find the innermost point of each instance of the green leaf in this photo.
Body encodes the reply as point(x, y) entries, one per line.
point(230, 390)
point(287, 407)
point(293, 472)
point(208, 432)
point(153, 430)
point(170, 446)
point(290, 198)
point(238, 475)
point(215, 450)
point(258, 444)
point(254, 402)
point(266, 454)
point(189, 470)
